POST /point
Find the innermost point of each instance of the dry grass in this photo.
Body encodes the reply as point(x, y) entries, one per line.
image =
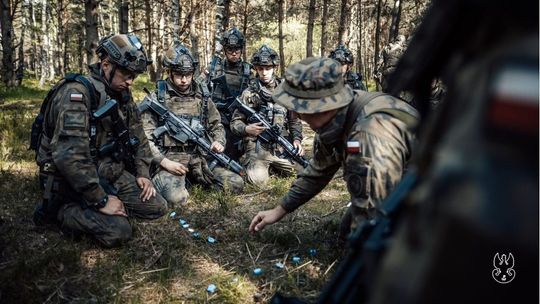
point(163, 263)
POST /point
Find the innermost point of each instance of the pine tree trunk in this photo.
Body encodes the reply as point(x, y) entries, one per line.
point(175, 10)
point(311, 20)
point(342, 29)
point(396, 18)
point(359, 63)
point(280, 30)
point(44, 45)
point(8, 51)
point(245, 25)
point(33, 39)
point(123, 16)
point(19, 75)
point(220, 27)
point(149, 37)
point(226, 13)
point(90, 10)
point(377, 36)
point(324, 19)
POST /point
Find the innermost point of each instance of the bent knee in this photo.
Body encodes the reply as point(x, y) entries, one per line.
point(258, 177)
point(117, 235)
point(178, 197)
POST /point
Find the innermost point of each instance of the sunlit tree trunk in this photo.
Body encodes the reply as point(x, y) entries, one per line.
point(324, 19)
point(342, 29)
point(90, 12)
point(311, 20)
point(280, 32)
point(8, 50)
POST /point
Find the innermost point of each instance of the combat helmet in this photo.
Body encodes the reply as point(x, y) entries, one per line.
point(342, 54)
point(233, 39)
point(178, 58)
point(265, 56)
point(313, 85)
point(125, 51)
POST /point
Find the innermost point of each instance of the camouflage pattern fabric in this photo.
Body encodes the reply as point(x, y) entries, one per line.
point(373, 151)
point(260, 157)
point(388, 61)
point(355, 81)
point(68, 149)
point(188, 105)
point(111, 230)
point(313, 85)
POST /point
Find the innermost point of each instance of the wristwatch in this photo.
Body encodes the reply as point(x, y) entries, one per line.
point(102, 203)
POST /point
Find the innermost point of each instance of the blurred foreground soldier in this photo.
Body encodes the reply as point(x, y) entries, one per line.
point(94, 179)
point(463, 225)
point(368, 134)
point(344, 56)
point(176, 160)
point(259, 157)
point(228, 79)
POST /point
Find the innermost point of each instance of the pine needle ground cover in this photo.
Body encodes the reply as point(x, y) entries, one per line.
point(164, 262)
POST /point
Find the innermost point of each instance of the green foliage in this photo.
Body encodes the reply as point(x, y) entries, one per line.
point(15, 125)
point(28, 90)
point(141, 82)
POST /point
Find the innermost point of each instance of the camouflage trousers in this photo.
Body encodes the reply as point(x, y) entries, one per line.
point(233, 147)
point(110, 230)
point(259, 161)
point(173, 187)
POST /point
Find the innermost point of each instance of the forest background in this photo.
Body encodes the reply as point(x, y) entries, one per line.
point(43, 40)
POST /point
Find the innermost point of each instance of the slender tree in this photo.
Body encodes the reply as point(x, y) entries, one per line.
point(280, 33)
point(396, 18)
point(90, 12)
point(311, 21)
point(324, 18)
point(342, 29)
point(8, 50)
point(123, 16)
point(377, 35)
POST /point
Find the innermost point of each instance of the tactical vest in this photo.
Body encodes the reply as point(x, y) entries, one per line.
point(236, 80)
point(192, 108)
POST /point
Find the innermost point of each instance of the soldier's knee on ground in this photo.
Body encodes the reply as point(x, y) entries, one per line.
point(258, 176)
point(234, 183)
point(175, 198)
point(119, 233)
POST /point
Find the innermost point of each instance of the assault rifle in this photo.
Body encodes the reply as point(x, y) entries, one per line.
point(272, 134)
point(183, 132)
point(123, 147)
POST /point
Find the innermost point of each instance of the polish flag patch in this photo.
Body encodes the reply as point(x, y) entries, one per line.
point(353, 147)
point(76, 97)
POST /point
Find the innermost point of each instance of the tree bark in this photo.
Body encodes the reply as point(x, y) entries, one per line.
point(342, 29)
point(311, 20)
point(245, 25)
point(123, 16)
point(90, 10)
point(8, 51)
point(377, 36)
point(149, 37)
point(324, 19)
point(226, 13)
point(45, 45)
point(280, 32)
point(176, 21)
point(359, 65)
point(396, 18)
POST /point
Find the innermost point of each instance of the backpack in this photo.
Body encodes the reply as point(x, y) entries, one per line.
point(37, 125)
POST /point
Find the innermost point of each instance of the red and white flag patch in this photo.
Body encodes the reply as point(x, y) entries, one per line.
point(353, 147)
point(76, 97)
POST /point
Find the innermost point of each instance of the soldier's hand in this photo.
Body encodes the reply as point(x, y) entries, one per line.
point(255, 129)
point(298, 146)
point(174, 167)
point(148, 190)
point(267, 217)
point(217, 147)
point(114, 207)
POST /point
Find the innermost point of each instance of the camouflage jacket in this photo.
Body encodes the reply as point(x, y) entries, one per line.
point(373, 151)
point(188, 105)
point(355, 81)
point(67, 121)
point(259, 98)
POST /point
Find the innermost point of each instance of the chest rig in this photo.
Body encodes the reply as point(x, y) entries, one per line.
point(229, 82)
point(191, 107)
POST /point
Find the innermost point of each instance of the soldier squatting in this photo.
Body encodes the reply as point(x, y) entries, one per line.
point(102, 160)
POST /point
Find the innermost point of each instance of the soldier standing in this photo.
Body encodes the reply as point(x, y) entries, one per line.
point(368, 134)
point(259, 156)
point(85, 190)
point(228, 79)
point(186, 98)
point(344, 56)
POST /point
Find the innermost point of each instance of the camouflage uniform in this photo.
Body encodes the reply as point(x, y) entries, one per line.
point(227, 81)
point(191, 105)
point(65, 154)
point(187, 105)
point(259, 157)
point(388, 61)
point(344, 56)
point(370, 136)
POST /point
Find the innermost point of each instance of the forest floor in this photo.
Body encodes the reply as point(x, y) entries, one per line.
point(163, 263)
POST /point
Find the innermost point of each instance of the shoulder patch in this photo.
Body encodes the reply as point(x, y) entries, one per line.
point(353, 147)
point(77, 97)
